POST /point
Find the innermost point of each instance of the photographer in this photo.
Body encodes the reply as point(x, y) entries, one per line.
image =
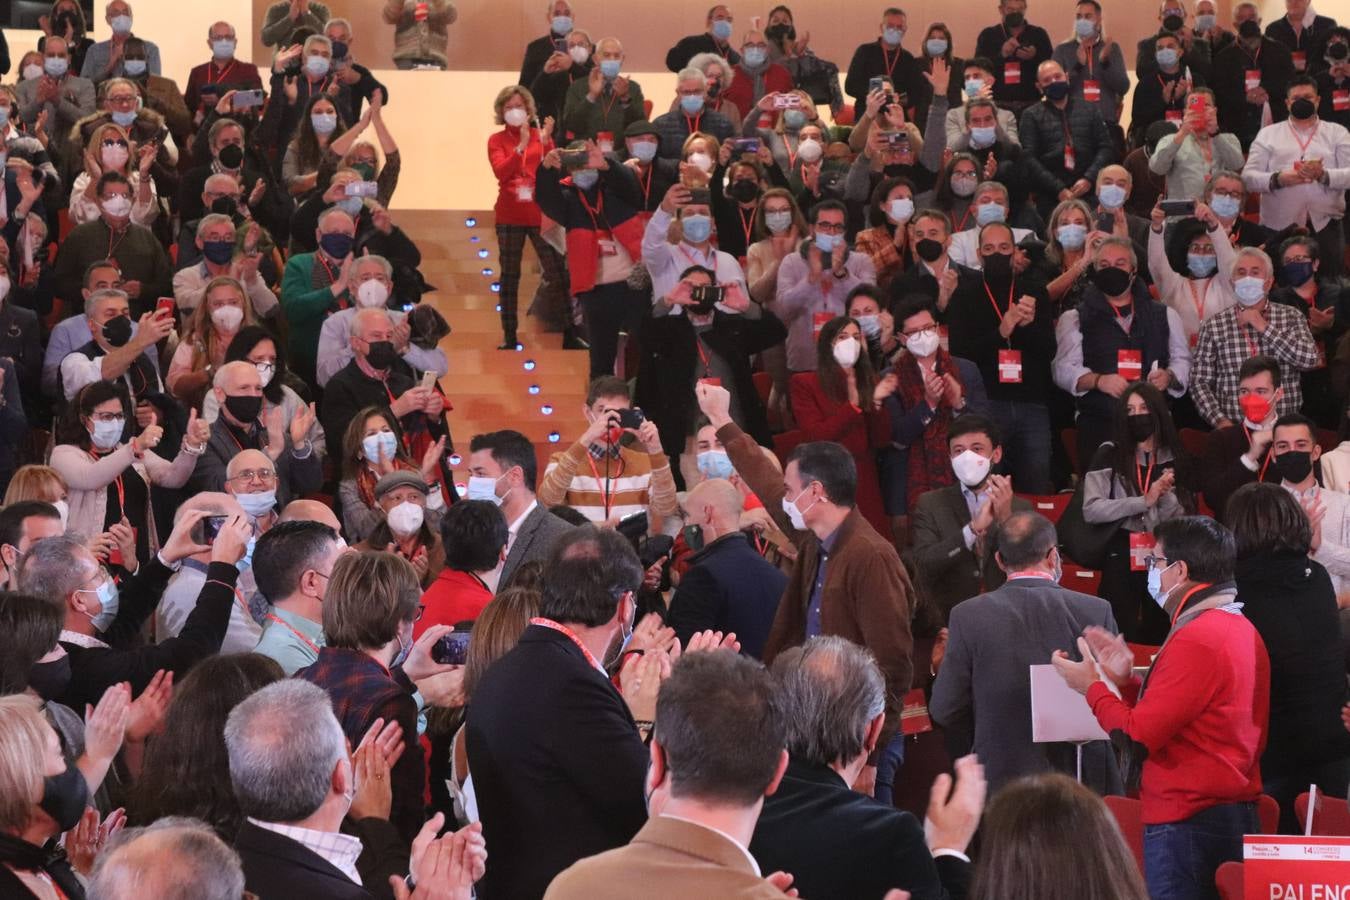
point(601, 476)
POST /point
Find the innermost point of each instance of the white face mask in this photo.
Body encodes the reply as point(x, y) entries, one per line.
point(63, 508)
point(228, 318)
point(797, 516)
point(482, 487)
point(117, 206)
point(846, 352)
point(970, 467)
point(810, 150)
point(405, 519)
point(516, 116)
point(702, 160)
point(923, 344)
point(372, 293)
point(579, 54)
point(265, 372)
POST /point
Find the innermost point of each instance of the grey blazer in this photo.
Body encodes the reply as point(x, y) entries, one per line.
point(534, 541)
point(982, 696)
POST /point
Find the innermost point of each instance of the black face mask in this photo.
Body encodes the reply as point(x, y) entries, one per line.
point(50, 679)
point(244, 409)
point(1249, 30)
point(1173, 23)
point(1014, 20)
point(1293, 465)
point(1141, 426)
point(1302, 108)
point(1111, 281)
point(998, 266)
point(928, 249)
point(1056, 91)
point(231, 156)
point(780, 33)
point(381, 354)
point(64, 797)
point(117, 331)
point(744, 190)
point(895, 170)
point(225, 206)
point(693, 536)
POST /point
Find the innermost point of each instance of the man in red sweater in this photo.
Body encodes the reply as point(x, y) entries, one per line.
point(1198, 718)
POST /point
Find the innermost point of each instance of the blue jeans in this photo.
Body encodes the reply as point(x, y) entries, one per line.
point(1026, 443)
point(1180, 858)
point(888, 766)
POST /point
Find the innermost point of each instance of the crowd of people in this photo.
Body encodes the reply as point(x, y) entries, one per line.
point(766, 626)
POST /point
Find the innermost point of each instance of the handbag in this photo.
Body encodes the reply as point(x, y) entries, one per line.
point(1084, 542)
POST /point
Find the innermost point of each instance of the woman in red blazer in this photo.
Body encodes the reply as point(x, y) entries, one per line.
point(515, 153)
point(841, 401)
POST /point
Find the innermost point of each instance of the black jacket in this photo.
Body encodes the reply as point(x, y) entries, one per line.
point(278, 868)
point(296, 475)
point(351, 390)
point(729, 587)
point(537, 53)
point(869, 61)
point(1312, 42)
point(557, 764)
point(1236, 115)
point(974, 336)
point(678, 57)
point(1041, 131)
point(989, 45)
point(838, 843)
point(1290, 600)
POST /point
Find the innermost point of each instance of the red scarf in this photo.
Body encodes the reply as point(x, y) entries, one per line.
point(930, 464)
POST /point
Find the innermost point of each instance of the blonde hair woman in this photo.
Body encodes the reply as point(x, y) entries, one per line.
point(207, 333)
point(39, 483)
point(110, 149)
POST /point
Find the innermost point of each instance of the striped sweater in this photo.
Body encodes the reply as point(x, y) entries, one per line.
point(605, 489)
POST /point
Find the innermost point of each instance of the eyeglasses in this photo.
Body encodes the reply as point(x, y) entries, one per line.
point(108, 417)
point(1151, 561)
point(830, 227)
point(910, 334)
point(266, 476)
point(114, 142)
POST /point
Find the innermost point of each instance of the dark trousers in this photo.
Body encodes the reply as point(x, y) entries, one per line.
point(609, 309)
point(1094, 429)
point(1138, 616)
point(1026, 443)
point(1332, 778)
point(1180, 858)
point(1331, 249)
point(510, 252)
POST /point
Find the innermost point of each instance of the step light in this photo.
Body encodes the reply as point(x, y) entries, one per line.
point(529, 365)
point(534, 389)
point(546, 409)
point(554, 437)
point(483, 253)
point(470, 222)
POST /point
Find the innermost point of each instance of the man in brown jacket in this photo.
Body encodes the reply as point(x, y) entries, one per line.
point(848, 580)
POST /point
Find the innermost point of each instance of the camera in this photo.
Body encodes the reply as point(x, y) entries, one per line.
point(705, 296)
point(362, 189)
point(574, 160)
point(700, 197)
point(453, 649)
point(1338, 52)
point(896, 139)
point(741, 146)
point(630, 418)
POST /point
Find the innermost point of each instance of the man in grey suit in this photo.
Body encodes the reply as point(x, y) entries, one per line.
point(503, 468)
point(952, 528)
point(67, 98)
point(982, 696)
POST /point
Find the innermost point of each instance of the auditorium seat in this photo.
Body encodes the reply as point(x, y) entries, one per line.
point(1229, 881)
point(1051, 506)
point(1268, 811)
point(1331, 817)
point(1129, 816)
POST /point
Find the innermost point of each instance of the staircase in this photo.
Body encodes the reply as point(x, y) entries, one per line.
point(539, 391)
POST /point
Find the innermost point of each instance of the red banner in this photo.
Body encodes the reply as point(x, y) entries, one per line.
point(1279, 867)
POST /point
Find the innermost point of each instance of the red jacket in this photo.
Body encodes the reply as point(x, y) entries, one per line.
point(515, 175)
point(777, 79)
point(821, 418)
point(1203, 717)
point(453, 597)
point(237, 75)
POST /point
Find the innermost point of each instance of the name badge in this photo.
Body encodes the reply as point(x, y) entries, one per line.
point(818, 321)
point(1070, 162)
point(605, 242)
point(1010, 367)
point(1012, 73)
point(1092, 90)
point(524, 193)
point(1141, 546)
point(1172, 115)
point(711, 382)
point(1130, 364)
point(420, 12)
point(605, 141)
point(1340, 100)
point(1251, 79)
point(1300, 60)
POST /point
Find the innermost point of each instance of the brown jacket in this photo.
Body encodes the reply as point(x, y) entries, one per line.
point(868, 598)
point(668, 858)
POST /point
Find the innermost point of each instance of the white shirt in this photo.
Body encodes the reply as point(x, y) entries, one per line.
point(78, 370)
point(1068, 366)
point(335, 347)
point(87, 641)
point(1334, 551)
point(962, 249)
point(1276, 149)
point(665, 261)
point(340, 850)
point(514, 528)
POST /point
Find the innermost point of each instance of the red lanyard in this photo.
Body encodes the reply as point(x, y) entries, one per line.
point(703, 356)
point(646, 187)
point(1189, 594)
point(596, 213)
point(1303, 145)
point(1091, 48)
point(994, 303)
point(604, 483)
point(292, 629)
point(693, 123)
point(1068, 136)
point(1198, 299)
point(1262, 475)
point(115, 241)
point(223, 72)
point(331, 271)
point(121, 490)
point(890, 63)
point(1120, 316)
point(1254, 57)
point(961, 226)
point(563, 629)
point(749, 226)
point(1144, 479)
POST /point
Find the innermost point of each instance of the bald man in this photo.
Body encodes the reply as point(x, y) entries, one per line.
point(1114, 179)
point(606, 99)
point(245, 424)
point(311, 511)
point(208, 82)
point(729, 586)
point(166, 859)
point(378, 373)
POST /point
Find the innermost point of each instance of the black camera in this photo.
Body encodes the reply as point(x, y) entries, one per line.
point(292, 69)
point(574, 160)
point(1338, 51)
point(630, 418)
point(705, 296)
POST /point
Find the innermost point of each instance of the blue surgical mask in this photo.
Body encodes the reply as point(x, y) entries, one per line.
point(106, 435)
point(120, 24)
point(1249, 290)
point(316, 66)
point(403, 651)
point(324, 123)
point(754, 57)
point(983, 137)
point(1111, 196)
point(259, 504)
point(246, 561)
point(778, 222)
point(1167, 57)
point(373, 444)
point(350, 205)
point(1071, 236)
point(134, 67)
point(697, 228)
point(222, 49)
point(610, 67)
point(1155, 588)
point(721, 29)
point(974, 86)
point(985, 213)
point(108, 601)
point(935, 46)
point(644, 151)
point(124, 119)
point(793, 119)
point(893, 36)
point(1084, 28)
point(4, 116)
point(561, 25)
point(585, 178)
point(1202, 265)
point(715, 464)
point(870, 325)
point(691, 104)
point(1224, 206)
point(901, 209)
point(1204, 22)
point(55, 66)
point(826, 243)
point(483, 488)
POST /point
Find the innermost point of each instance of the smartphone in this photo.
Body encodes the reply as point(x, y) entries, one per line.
point(166, 305)
point(1195, 102)
point(896, 139)
point(211, 526)
point(700, 197)
point(1106, 223)
point(572, 160)
point(745, 145)
point(247, 99)
point(368, 189)
point(631, 418)
point(428, 379)
point(453, 648)
point(705, 296)
point(560, 44)
point(786, 101)
point(633, 526)
point(879, 83)
point(1177, 207)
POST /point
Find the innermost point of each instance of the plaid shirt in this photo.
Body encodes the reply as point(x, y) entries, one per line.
point(362, 691)
point(1223, 346)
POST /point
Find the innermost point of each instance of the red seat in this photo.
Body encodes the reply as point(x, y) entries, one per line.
point(1268, 811)
point(845, 115)
point(1194, 441)
point(1229, 881)
point(1129, 816)
point(1332, 816)
point(647, 109)
point(786, 442)
point(1328, 439)
point(1069, 438)
point(1081, 578)
point(1051, 506)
